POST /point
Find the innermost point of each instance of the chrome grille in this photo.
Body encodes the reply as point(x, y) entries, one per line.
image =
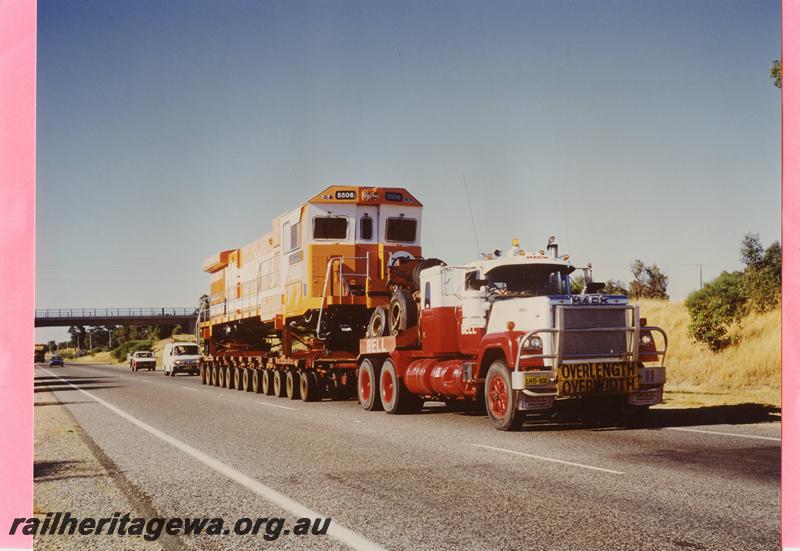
point(593, 344)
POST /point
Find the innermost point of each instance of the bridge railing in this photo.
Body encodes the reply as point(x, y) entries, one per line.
point(78, 313)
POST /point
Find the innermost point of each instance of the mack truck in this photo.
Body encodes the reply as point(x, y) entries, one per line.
point(508, 333)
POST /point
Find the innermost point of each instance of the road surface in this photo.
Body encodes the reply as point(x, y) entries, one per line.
point(694, 479)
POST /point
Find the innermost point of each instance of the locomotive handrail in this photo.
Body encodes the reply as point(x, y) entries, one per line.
point(326, 284)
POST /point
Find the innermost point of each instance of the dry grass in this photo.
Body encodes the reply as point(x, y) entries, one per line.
point(749, 371)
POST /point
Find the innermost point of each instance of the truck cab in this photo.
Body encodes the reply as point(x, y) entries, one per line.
point(507, 331)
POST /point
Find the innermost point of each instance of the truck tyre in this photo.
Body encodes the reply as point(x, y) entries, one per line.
point(203, 374)
point(308, 386)
point(266, 383)
point(368, 372)
point(279, 383)
point(395, 397)
point(246, 376)
point(379, 322)
point(501, 401)
point(402, 311)
point(293, 385)
point(228, 381)
point(239, 378)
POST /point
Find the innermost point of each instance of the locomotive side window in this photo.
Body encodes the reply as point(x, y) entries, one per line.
point(330, 227)
point(291, 236)
point(366, 228)
point(403, 230)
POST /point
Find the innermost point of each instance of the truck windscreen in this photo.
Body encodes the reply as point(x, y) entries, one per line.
point(528, 280)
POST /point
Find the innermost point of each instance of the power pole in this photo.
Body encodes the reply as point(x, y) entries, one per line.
point(701, 275)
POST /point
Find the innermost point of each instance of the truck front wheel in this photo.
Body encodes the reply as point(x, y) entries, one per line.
point(501, 401)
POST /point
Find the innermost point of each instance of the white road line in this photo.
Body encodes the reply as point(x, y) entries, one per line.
point(189, 388)
point(336, 531)
point(274, 405)
point(541, 458)
point(770, 438)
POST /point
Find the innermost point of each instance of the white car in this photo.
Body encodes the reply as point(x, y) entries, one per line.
point(142, 359)
point(181, 356)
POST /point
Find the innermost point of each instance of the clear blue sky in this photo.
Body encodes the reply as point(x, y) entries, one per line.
point(170, 130)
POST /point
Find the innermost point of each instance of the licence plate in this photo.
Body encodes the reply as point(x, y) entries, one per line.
point(531, 380)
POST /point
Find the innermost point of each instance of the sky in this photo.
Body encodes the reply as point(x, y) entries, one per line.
point(168, 131)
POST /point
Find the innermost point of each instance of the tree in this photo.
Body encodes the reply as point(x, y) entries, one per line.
point(615, 287)
point(776, 72)
point(648, 281)
point(714, 308)
point(762, 277)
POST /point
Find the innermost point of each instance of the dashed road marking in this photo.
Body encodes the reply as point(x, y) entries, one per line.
point(336, 531)
point(551, 459)
point(770, 438)
point(274, 405)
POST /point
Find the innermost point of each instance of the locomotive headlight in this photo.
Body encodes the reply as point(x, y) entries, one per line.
point(645, 339)
point(533, 343)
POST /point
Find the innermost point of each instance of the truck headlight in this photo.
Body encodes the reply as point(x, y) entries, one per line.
point(533, 343)
point(645, 339)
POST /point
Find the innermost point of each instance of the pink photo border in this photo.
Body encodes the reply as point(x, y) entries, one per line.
point(790, 355)
point(17, 239)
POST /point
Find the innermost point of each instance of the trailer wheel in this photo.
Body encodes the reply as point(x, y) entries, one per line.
point(202, 375)
point(501, 401)
point(308, 386)
point(267, 383)
point(279, 383)
point(379, 322)
point(395, 397)
point(212, 372)
point(228, 382)
point(254, 378)
point(293, 385)
point(368, 384)
point(245, 376)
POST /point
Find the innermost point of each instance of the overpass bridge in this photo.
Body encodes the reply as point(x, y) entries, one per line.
point(61, 317)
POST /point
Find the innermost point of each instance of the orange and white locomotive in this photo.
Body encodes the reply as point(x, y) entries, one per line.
point(286, 312)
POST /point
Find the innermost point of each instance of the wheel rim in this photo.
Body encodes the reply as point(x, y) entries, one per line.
point(265, 382)
point(246, 379)
point(303, 385)
point(236, 379)
point(387, 387)
point(498, 399)
point(364, 386)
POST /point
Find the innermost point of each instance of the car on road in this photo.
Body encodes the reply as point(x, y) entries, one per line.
point(142, 359)
point(56, 360)
point(181, 356)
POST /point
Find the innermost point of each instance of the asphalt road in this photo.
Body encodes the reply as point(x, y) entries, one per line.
point(707, 478)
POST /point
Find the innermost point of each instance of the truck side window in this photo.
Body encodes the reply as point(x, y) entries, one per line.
point(366, 228)
point(427, 295)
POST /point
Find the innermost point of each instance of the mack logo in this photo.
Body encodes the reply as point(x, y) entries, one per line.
point(589, 299)
point(346, 195)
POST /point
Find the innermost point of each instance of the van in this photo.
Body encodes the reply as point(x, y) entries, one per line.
point(181, 356)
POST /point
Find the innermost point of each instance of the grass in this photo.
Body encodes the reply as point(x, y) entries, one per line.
point(748, 371)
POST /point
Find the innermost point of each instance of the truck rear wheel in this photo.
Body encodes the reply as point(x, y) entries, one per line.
point(395, 397)
point(308, 386)
point(368, 384)
point(501, 401)
point(293, 385)
point(279, 383)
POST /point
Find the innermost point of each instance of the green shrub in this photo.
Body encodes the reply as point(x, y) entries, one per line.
point(121, 352)
point(714, 308)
